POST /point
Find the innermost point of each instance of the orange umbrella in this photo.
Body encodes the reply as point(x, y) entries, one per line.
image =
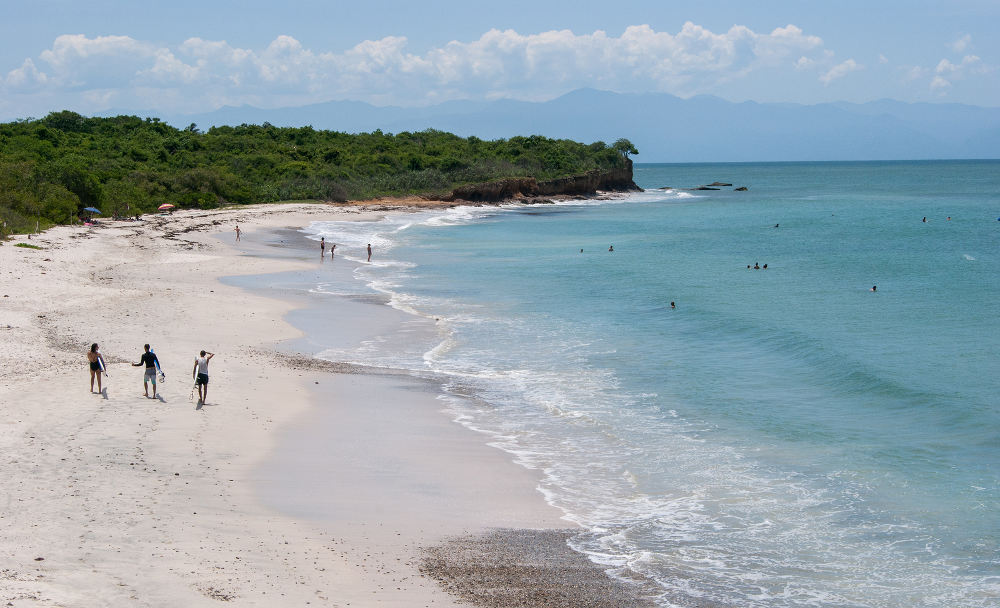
point(165, 207)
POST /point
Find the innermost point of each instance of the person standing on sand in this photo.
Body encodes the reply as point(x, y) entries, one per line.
point(150, 361)
point(237, 233)
point(369, 252)
point(200, 374)
point(96, 366)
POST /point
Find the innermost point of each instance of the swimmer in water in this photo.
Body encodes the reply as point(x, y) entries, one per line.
point(611, 248)
point(874, 288)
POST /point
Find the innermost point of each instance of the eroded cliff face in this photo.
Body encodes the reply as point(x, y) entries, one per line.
point(615, 180)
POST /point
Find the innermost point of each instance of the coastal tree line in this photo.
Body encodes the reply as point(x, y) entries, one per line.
point(52, 168)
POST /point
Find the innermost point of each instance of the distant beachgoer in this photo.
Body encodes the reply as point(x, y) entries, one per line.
point(333, 246)
point(369, 252)
point(764, 266)
point(150, 361)
point(756, 266)
point(237, 233)
point(949, 218)
point(776, 225)
point(672, 305)
point(874, 288)
point(581, 251)
point(748, 266)
point(96, 365)
point(322, 246)
point(200, 375)
point(924, 220)
point(611, 248)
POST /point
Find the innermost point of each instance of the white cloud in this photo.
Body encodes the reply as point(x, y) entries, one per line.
point(882, 59)
point(200, 74)
point(961, 44)
point(947, 73)
point(840, 70)
point(946, 67)
point(804, 63)
point(939, 84)
point(26, 77)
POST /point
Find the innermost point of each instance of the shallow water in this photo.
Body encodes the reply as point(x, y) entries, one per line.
point(783, 437)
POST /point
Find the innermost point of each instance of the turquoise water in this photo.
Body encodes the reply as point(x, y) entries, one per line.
point(783, 437)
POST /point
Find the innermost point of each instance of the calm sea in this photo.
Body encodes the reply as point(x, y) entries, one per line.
point(780, 437)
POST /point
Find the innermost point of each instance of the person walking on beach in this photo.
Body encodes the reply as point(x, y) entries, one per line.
point(322, 246)
point(237, 233)
point(333, 247)
point(96, 367)
point(150, 361)
point(369, 252)
point(200, 374)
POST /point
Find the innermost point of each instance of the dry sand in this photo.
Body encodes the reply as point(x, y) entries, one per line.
point(113, 499)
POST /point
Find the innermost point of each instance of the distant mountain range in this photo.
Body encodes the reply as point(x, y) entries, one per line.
point(666, 128)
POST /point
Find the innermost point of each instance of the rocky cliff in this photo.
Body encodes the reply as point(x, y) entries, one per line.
point(589, 183)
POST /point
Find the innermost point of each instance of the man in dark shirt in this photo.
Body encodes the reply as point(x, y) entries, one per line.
point(149, 359)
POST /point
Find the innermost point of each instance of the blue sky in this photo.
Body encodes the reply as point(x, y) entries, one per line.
point(187, 56)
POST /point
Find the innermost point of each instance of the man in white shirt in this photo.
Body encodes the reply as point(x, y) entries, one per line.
point(200, 375)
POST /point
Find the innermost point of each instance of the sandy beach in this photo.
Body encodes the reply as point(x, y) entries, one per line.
point(116, 499)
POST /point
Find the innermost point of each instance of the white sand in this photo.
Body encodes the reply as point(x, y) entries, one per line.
point(139, 502)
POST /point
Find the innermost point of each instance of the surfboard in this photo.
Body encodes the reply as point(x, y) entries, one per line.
point(100, 361)
point(156, 362)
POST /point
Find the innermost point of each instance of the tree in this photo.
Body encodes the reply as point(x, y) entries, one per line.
point(624, 147)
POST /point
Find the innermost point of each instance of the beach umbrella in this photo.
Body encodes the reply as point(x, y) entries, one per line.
point(92, 209)
point(165, 207)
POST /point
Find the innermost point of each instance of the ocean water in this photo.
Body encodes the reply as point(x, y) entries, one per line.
point(782, 437)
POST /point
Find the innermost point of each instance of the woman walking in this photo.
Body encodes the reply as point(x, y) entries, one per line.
point(96, 367)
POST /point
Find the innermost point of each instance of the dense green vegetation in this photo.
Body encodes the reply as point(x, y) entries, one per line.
point(52, 168)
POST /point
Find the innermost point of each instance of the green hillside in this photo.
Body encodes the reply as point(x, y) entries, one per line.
point(50, 169)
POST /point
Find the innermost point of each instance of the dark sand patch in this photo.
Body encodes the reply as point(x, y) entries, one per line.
point(508, 568)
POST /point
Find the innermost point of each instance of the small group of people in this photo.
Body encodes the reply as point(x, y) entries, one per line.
point(757, 266)
point(333, 248)
point(322, 247)
point(199, 373)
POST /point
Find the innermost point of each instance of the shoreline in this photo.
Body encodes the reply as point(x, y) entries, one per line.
point(114, 498)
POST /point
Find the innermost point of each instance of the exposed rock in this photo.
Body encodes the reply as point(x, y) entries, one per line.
point(719, 184)
point(589, 183)
point(740, 189)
